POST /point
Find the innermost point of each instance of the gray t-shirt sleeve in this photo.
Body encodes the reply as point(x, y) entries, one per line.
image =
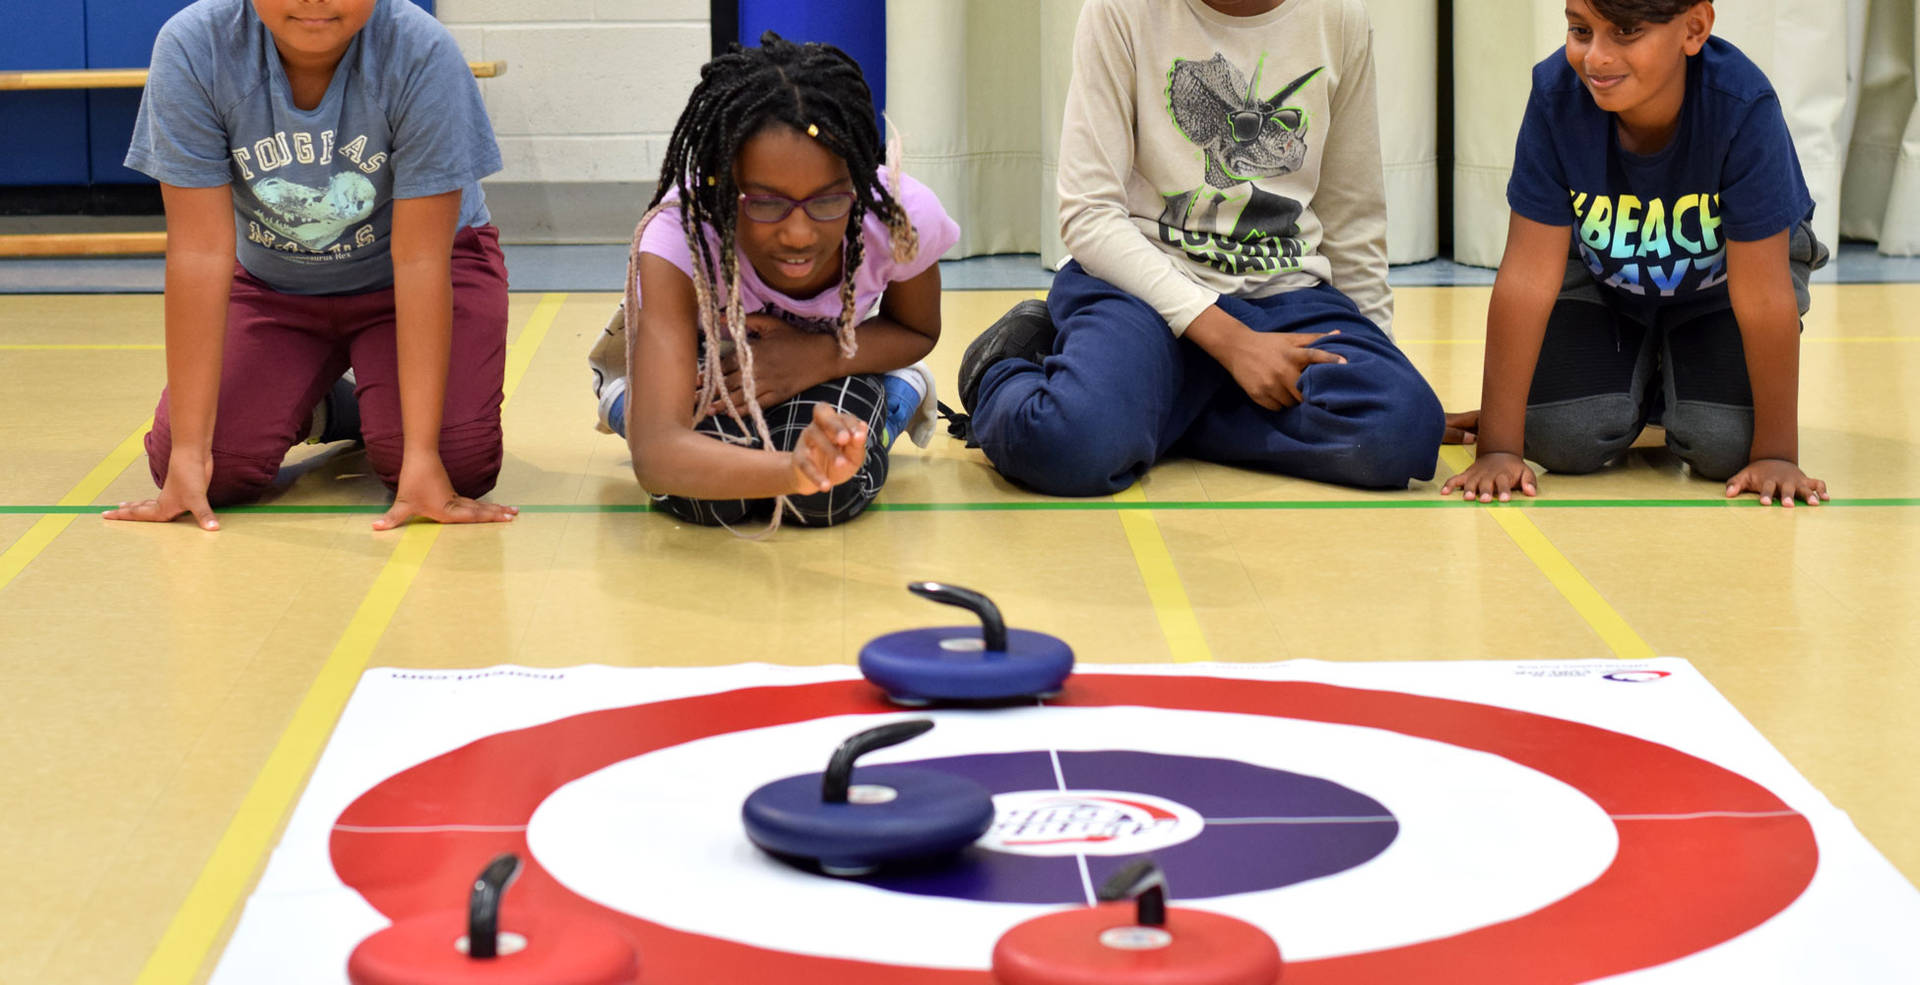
point(178, 136)
point(442, 138)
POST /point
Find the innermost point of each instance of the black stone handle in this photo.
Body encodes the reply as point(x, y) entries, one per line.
point(839, 775)
point(1143, 881)
point(483, 905)
point(993, 628)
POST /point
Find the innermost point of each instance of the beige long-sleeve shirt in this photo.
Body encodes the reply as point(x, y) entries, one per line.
point(1204, 154)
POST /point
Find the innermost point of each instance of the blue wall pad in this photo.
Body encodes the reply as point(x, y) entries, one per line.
point(858, 27)
point(46, 131)
point(120, 34)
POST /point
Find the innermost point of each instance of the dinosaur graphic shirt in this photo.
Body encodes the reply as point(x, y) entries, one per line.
point(1204, 154)
point(1653, 229)
point(313, 190)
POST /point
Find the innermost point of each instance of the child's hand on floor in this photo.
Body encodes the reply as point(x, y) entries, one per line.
point(185, 491)
point(425, 491)
point(1493, 474)
point(1770, 476)
point(1462, 428)
point(830, 450)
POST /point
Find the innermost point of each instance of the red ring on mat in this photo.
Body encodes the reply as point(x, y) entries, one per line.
point(1674, 888)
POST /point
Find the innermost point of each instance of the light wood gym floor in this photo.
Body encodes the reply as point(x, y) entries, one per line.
point(164, 690)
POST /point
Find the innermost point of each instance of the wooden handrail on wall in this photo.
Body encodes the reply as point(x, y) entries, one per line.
point(83, 244)
point(134, 78)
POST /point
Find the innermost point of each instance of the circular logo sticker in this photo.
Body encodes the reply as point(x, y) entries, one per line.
point(1048, 823)
point(871, 793)
point(1136, 938)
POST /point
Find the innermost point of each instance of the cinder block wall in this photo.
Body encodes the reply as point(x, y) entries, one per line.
point(583, 114)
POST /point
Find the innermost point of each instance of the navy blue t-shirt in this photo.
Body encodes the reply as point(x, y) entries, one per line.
point(1653, 228)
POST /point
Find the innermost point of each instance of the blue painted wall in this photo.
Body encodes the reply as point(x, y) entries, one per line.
point(858, 27)
point(46, 132)
point(120, 34)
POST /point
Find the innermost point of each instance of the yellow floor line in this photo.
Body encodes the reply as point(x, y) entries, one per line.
point(223, 883)
point(520, 354)
point(23, 551)
point(1170, 604)
point(1578, 591)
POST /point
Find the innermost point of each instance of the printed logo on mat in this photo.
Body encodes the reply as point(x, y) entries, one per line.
point(1637, 676)
point(1049, 823)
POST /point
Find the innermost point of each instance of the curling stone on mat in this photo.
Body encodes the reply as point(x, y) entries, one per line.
point(894, 813)
point(1143, 943)
point(451, 947)
point(962, 663)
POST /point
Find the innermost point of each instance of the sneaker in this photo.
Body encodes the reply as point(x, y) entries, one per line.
point(337, 416)
point(1025, 332)
point(912, 405)
point(613, 408)
point(608, 361)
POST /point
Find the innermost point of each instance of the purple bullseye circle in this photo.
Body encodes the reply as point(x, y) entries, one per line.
point(1263, 828)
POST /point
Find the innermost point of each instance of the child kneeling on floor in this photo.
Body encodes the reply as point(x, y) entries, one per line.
point(1661, 155)
point(320, 168)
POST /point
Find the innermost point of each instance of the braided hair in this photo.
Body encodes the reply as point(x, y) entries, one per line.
point(815, 89)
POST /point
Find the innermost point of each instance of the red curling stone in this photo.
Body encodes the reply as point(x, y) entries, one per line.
point(1120, 943)
point(453, 947)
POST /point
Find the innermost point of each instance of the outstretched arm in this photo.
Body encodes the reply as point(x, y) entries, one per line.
point(199, 277)
point(1760, 286)
point(423, 230)
point(669, 457)
point(1523, 295)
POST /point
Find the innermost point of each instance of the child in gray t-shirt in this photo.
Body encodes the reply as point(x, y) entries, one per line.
point(335, 150)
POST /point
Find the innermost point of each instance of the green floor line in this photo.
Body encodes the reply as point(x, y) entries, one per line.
point(1090, 506)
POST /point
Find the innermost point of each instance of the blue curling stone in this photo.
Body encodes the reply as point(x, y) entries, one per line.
point(892, 813)
point(953, 663)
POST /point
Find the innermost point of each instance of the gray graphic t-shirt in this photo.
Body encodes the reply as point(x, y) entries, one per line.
point(313, 190)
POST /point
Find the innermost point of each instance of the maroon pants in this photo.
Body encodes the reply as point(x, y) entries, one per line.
point(283, 351)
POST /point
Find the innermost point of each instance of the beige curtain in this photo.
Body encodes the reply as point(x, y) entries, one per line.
point(1496, 43)
point(976, 88)
point(1406, 71)
point(1880, 190)
point(1810, 51)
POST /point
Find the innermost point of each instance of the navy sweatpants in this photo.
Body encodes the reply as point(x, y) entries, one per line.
point(1121, 391)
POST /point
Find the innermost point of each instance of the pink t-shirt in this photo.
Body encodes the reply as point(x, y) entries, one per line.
point(665, 237)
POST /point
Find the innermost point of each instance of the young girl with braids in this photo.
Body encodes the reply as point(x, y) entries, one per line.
point(746, 368)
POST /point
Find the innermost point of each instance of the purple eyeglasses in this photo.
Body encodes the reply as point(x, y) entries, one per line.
point(776, 208)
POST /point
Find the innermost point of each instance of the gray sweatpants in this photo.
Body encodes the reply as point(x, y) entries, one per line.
point(1603, 376)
